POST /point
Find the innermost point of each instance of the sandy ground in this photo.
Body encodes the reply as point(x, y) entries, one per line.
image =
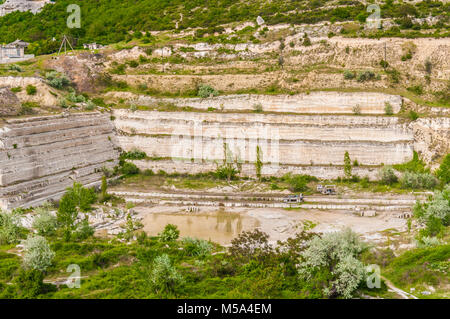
point(223, 224)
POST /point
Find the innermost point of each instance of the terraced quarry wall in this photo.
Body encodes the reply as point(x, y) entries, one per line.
point(308, 144)
point(314, 102)
point(41, 156)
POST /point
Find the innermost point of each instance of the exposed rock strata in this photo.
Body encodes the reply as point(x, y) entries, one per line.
point(40, 157)
point(286, 140)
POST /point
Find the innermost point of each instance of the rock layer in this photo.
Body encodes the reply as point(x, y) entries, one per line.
point(286, 142)
point(42, 156)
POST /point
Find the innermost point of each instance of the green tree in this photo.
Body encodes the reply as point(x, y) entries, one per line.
point(387, 175)
point(170, 233)
point(258, 163)
point(333, 259)
point(37, 253)
point(347, 165)
point(10, 229)
point(45, 223)
point(443, 173)
point(435, 213)
point(164, 276)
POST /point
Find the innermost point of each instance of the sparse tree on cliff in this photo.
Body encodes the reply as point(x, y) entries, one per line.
point(347, 165)
point(258, 163)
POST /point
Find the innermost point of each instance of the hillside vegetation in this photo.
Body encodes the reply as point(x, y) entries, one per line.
point(111, 21)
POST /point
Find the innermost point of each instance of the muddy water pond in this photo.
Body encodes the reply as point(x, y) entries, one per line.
point(219, 226)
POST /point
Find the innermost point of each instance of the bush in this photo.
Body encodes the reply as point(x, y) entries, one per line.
point(365, 76)
point(251, 245)
point(427, 242)
point(205, 91)
point(134, 154)
point(45, 223)
point(164, 276)
point(356, 110)
point(197, 247)
point(31, 89)
point(348, 75)
point(443, 173)
point(37, 253)
point(435, 213)
point(416, 89)
point(10, 229)
point(388, 109)
point(170, 233)
point(418, 180)
point(258, 108)
point(30, 283)
point(334, 257)
point(83, 230)
point(56, 79)
point(297, 183)
point(129, 169)
point(387, 175)
point(413, 115)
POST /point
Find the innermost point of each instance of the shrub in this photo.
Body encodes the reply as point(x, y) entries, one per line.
point(169, 233)
point(83, 230)
point(56, 79)
point(356, 110)
point(135, 154)
point(129, 169)
point(45, 223)
point(31, 89)
point(413, 115)
point(428, 66)
point(306, 41)
point(164, 277)
point(30, 283)
point(418, 180)
point(37, 253)
point(443, 173)
point(205, 91)
point(258, 108)
point(297, 183)
point(384, 64)
point(334, 257)
point(435, 213)
point(197, 247)
point(10, 229)
point(251, 245)
point(27, 108)
point(388, 109)
point(348, 75)
point(416, 89)
point(74, 98)
point(365, 76)
point(427, 242)
point(227, 171)
point(387, 175)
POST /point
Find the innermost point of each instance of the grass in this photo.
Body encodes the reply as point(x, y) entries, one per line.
point(420, 268)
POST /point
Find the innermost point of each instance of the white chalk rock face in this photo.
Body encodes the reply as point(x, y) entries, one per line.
point(41, 156)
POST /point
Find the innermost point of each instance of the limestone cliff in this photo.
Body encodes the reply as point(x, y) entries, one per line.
point(40, 157)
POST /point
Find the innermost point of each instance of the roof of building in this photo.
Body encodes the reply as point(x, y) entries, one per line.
point(18, 43)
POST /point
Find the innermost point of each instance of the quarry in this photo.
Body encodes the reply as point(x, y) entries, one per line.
point(213, 133)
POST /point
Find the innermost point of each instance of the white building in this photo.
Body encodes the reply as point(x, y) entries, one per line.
point(14, 52)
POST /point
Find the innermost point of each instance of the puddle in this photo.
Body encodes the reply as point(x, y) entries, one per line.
point(219, 226)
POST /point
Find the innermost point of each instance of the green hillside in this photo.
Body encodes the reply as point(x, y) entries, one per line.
point(110, 21)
